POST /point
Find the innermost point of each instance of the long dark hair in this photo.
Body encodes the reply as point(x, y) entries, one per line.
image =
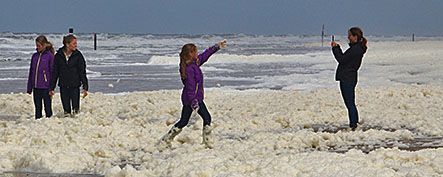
point(356, 31)
point(42, 40)
point(185, 58)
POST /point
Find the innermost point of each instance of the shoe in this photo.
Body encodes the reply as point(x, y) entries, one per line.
point(76, 111)
point(353, 127)
point(66, 114)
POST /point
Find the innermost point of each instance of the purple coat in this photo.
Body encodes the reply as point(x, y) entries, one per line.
point(193, 84)
point(40, 70)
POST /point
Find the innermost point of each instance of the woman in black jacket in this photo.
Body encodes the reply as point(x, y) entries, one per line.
point(348, 65)
point(70, 71)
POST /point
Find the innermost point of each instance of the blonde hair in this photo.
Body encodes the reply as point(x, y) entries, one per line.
point(185, 58)
point(44, 41)
point(68, 39)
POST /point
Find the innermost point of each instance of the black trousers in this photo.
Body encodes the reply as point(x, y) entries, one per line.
point(186, 114)
point(70, 99)
point(39, 96)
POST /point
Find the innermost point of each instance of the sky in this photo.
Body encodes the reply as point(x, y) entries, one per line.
point(267, 17)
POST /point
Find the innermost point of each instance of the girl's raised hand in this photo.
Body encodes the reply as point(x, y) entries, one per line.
point(222, 43)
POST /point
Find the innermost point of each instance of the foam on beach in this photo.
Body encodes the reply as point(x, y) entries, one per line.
point(275, 106)
point(258, 133)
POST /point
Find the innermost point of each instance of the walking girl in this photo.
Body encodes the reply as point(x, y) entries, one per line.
point(70, 72)
point(39, 79)
point(193, 91)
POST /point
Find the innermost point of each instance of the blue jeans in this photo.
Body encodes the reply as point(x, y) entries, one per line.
point(347, 89)
point(186, 114)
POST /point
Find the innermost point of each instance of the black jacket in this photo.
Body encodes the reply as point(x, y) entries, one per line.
point(348, 62)
point(70, 73)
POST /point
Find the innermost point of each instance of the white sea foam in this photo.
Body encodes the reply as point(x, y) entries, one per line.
point(12, 79)
point(258, 133)
point(14, 68)
point(232, 58)
point(93, 73)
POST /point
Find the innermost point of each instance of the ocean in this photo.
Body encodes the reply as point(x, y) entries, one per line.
point(146, 62)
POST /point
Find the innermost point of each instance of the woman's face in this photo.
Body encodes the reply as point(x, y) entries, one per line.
point(40, 47)
point(352, 38)
point(72, 46)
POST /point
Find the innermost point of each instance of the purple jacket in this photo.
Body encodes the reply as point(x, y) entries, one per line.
point(193, 84)
point(40, 70)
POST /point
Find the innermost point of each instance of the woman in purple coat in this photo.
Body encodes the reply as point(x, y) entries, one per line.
point(39, 78)
point(193, 92)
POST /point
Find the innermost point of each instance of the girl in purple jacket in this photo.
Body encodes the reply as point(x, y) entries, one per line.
point(193, 92)
point(39, 78)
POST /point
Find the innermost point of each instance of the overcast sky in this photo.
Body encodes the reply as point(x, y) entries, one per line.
point(376, 17)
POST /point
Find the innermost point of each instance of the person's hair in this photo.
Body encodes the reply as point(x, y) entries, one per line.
point(42, 40)
point(68, 39)
point(356, 31)
point(185, 58)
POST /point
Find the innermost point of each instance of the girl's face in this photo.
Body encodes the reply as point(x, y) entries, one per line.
point(352, 38)
point(194, 54)
point(72, 46)
point(40, 47)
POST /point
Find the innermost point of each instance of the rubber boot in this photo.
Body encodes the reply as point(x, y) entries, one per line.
point(207, 137)
point(169, 137)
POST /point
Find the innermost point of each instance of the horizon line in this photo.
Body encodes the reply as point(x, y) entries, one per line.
point(202, 34)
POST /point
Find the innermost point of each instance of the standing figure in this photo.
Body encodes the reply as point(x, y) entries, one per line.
point(70, 72)
point(348, 65)
point(39, 79)
point(193, 91)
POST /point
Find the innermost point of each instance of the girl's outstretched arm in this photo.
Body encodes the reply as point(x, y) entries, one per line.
point(203, 57)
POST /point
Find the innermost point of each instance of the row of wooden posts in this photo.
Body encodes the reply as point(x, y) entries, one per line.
point(71, 31)
point(332, 37)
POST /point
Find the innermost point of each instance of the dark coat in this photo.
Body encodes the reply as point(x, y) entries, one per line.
point(349, 62)
point(70, 73)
